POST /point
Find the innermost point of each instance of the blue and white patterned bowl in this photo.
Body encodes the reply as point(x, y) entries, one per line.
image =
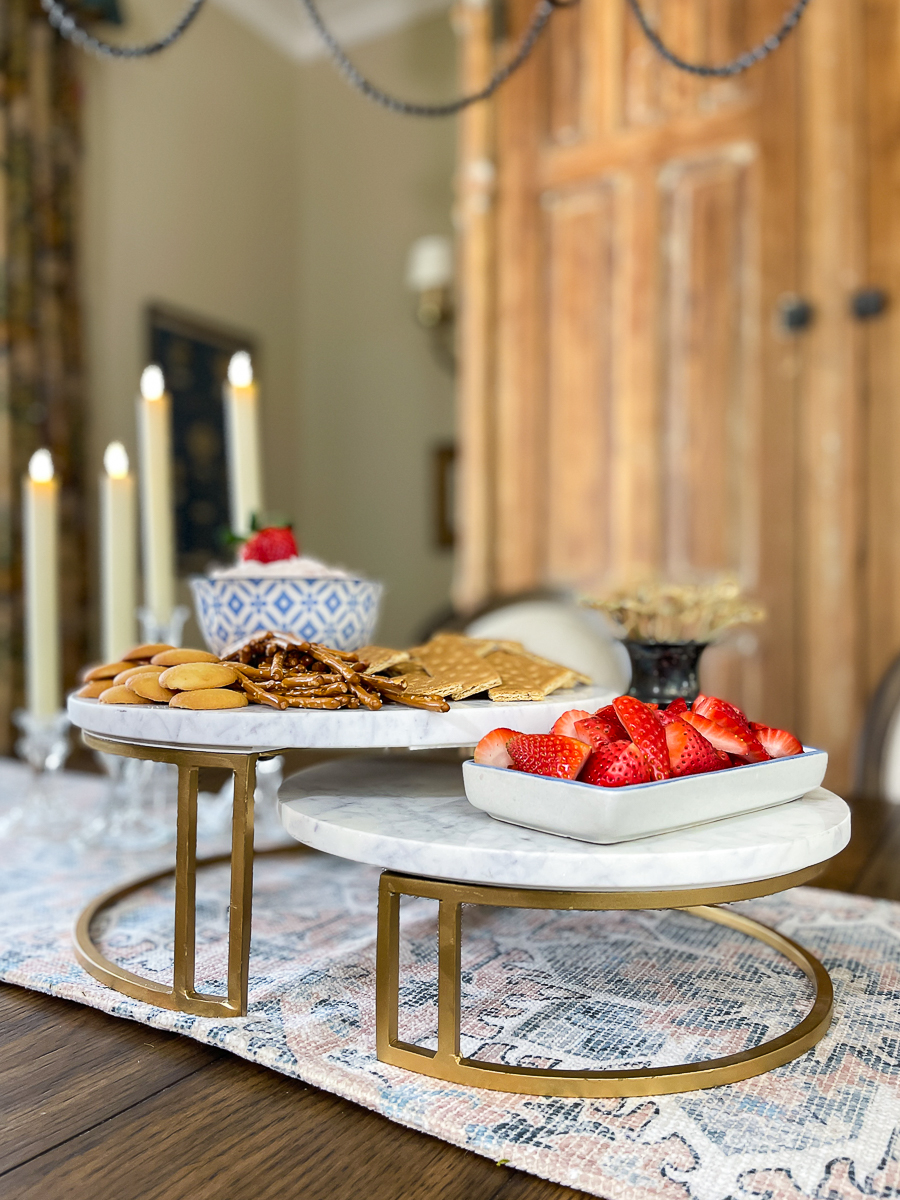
point(341, 613)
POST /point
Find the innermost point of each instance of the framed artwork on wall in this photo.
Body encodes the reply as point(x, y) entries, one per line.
point(194, 354)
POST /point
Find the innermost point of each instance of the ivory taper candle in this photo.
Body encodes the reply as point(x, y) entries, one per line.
point(157, 526)
point(117, 552)
point(41, 563)
point(242, 439)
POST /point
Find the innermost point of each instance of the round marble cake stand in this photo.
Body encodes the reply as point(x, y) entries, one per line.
point(235, 739)
point(413, 819)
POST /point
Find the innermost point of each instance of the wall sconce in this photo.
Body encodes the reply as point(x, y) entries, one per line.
point(429, 275)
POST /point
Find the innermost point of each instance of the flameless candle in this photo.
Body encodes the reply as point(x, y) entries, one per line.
point(40, 504)
point(154, 428)
point(242, 436)
point(117, 549)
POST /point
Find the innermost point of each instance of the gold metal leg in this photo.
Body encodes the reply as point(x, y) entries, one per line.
point(183, 996)
point(447, 1063)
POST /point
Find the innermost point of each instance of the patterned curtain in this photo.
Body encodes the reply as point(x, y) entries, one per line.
point(41, 388)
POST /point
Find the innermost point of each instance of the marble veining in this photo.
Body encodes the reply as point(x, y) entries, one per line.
point(259, 728)
point(413, 817)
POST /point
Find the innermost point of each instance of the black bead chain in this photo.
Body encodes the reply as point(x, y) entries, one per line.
point(70, 29)
point(542, 14)
point(748, 59)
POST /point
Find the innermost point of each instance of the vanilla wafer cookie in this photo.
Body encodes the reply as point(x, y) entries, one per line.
point(209, 698)
point(196, 676)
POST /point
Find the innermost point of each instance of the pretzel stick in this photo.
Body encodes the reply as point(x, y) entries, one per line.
point(277, 670)
point(246, 669)
point(337, 664)
point(387, 686)
point(435, 703)
point(315, 701)
point(313, 679)
point(333, 689)
point(369, 699)
point(261, 697)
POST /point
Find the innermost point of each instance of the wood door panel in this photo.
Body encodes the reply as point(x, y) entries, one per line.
point(709, 411)
point(582, 291)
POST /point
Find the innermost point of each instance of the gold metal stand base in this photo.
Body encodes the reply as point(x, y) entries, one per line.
point(183, 996)
point(447, 1063)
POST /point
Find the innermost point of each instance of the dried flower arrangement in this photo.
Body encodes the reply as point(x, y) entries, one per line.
point(677, 612)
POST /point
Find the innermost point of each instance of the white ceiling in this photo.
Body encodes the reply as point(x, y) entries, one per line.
point(285, 24)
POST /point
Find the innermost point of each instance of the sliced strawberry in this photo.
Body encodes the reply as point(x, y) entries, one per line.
point(548, 754)
point(729, 738)
point(674, 711)
point(617, 764)
point(777, 743)
point(689, 752)
point(720, 711)
point(610, 723)
point(597, 732)
point(647, 732)
point(564, 726)
point(491, 750)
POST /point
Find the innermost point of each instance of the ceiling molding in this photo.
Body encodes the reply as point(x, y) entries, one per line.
point(285, 25)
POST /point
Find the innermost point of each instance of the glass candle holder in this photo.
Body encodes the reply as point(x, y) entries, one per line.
point(44, 745)
point(170, 631)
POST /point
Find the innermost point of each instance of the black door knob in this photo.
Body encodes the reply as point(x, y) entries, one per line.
point(868, 303)
point(794, 313)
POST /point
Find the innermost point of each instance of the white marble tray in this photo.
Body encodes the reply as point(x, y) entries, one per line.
point(413, 816)
point(260, 728)
point(606, 815)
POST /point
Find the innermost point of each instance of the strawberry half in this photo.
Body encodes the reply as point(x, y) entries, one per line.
point(610, 723)
point(596, 733)
point(674, 711)
point(689, 752)
point(730, 717)
point(270, 545)
point(777, 743)
point(564, 726)
point(617, 764)
point(647, 732)
point(548, 754)
point(730, 738)
point(491, 750)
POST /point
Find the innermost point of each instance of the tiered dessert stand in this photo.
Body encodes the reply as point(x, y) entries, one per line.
point(411, 817)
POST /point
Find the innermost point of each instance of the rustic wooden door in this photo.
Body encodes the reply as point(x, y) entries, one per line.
point(640, 402)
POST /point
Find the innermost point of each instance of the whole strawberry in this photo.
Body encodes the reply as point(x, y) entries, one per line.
point(270, 545)
point(547, 754)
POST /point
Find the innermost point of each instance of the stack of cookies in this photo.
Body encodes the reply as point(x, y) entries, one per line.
point(161, 674)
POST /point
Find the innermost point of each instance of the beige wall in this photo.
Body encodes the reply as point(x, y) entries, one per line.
point(375, 399)
point(226, 180)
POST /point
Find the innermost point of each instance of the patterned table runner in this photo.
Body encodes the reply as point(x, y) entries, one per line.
point(540, 988)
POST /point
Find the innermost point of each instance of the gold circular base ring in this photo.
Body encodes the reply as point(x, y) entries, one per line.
point(448, 1064)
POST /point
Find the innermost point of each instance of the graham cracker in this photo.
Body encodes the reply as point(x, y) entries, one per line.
point(452, 659)
point(526, 676)
point(379, 658)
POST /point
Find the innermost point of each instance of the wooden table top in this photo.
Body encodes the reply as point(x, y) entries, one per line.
point(96, 1108)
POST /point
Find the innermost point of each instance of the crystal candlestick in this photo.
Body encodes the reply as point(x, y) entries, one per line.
point(169, 631)
point(44, 745)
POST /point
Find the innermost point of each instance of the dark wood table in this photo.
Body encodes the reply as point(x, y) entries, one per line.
point(95, 1108)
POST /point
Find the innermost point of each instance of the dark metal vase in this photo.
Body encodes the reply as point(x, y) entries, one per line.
point(663, 671)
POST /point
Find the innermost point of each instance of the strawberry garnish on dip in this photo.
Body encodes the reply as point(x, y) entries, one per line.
point(689, 752)
point(564, 726)
point(548, 754)
point(675, 709)
point(491, 751)
point(777, 743)
point(616, 764)
point(270, 545)
point(647, 732)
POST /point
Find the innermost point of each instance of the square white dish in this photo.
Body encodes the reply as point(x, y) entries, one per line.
point(608, 815)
